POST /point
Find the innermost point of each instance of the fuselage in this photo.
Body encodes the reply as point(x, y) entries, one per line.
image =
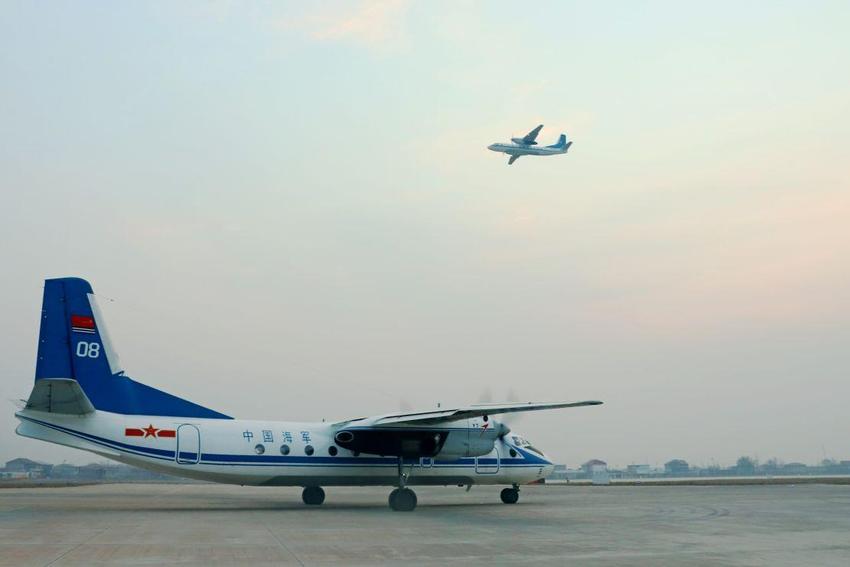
point(276, 453)
point(524, 150)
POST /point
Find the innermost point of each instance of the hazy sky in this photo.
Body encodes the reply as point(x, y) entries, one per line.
point(294, 214)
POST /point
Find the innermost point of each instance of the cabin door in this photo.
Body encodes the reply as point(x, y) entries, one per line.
point(188, 445)
point(489, 463)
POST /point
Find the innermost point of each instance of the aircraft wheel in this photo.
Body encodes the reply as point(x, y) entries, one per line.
point(313, 495)
point(402, 500)
point(510, 495)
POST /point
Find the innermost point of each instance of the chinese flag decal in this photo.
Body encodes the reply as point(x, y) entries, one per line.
point(82, 324)
point(149, 431)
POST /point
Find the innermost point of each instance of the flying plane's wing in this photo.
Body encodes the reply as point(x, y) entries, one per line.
point(437, 416)
point(513, 159)
point(532, 136)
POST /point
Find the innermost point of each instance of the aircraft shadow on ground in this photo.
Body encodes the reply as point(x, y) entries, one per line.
point(298, 507)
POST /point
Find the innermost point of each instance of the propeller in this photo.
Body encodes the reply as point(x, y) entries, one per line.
point(503, 425)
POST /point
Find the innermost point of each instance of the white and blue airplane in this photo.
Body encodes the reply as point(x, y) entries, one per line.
point(527, 146)
point(83, 399)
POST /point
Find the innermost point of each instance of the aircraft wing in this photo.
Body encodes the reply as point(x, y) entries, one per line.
point(437, 416)
point(531, 137)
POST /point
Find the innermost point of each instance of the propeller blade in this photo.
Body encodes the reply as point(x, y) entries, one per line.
point(510, 419)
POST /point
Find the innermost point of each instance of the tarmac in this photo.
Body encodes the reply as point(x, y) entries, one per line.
point(205, 524)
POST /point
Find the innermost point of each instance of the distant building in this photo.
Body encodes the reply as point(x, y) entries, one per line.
point(92, 471)
point(558, 473)
point(30, 468)
point(23, 469)
point(597, 471)
point(745, 466)
point(64, 471)
point(795, 468)
point(594, 465)
point(677, 467)
point(639, 470)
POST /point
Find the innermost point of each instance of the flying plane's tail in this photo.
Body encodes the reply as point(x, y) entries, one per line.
point(74, 347)
point(562, 143)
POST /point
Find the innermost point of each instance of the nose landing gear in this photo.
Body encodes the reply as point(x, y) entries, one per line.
point(510, 495)
point(402, 499)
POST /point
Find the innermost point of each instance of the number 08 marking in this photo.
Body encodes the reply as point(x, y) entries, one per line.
point(88, 350)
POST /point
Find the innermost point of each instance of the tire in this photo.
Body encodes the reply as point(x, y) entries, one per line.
point(313, 495)
point(403, 500)
point(510, 495)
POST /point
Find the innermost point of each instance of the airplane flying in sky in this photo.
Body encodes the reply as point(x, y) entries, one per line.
point(525, 146)
point(83, 399)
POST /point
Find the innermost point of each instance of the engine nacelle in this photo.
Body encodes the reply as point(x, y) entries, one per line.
point(463, 438)
point(409, 443)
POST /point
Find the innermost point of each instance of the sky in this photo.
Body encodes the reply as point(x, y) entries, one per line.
point(288, 212)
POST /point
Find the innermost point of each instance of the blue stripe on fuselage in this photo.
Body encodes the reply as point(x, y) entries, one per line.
point(529, 459)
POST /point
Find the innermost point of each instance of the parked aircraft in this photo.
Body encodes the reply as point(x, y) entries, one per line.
point(525, 146)
point(83, 399)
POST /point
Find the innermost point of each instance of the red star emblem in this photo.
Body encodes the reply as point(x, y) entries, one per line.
point(150, 431)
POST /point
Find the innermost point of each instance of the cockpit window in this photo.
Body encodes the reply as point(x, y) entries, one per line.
point(525, 444)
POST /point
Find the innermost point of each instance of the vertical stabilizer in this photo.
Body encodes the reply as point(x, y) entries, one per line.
point(73, 344)
point(561, 144)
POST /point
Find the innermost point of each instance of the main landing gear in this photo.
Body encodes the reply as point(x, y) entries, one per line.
point(510, 495)
point(402, 499)
point(313, 495)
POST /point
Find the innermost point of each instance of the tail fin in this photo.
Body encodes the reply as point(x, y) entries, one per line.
point(73, 344)
point(562, 143)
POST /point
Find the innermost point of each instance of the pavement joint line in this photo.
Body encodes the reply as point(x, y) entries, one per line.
point(85, 541)
point(283, 545)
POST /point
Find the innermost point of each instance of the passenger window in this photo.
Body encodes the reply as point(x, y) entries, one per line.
point(308, 450)
point(260, 449)
point(332, 451)
point(284, 449)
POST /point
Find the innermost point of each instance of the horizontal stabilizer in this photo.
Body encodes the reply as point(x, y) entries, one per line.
point(59, 395)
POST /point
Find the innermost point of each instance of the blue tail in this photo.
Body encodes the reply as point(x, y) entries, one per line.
point(73, 343)
point(562, 143)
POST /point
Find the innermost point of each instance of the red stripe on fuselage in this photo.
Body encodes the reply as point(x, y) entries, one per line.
point(166, 433)
point(133, 432)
